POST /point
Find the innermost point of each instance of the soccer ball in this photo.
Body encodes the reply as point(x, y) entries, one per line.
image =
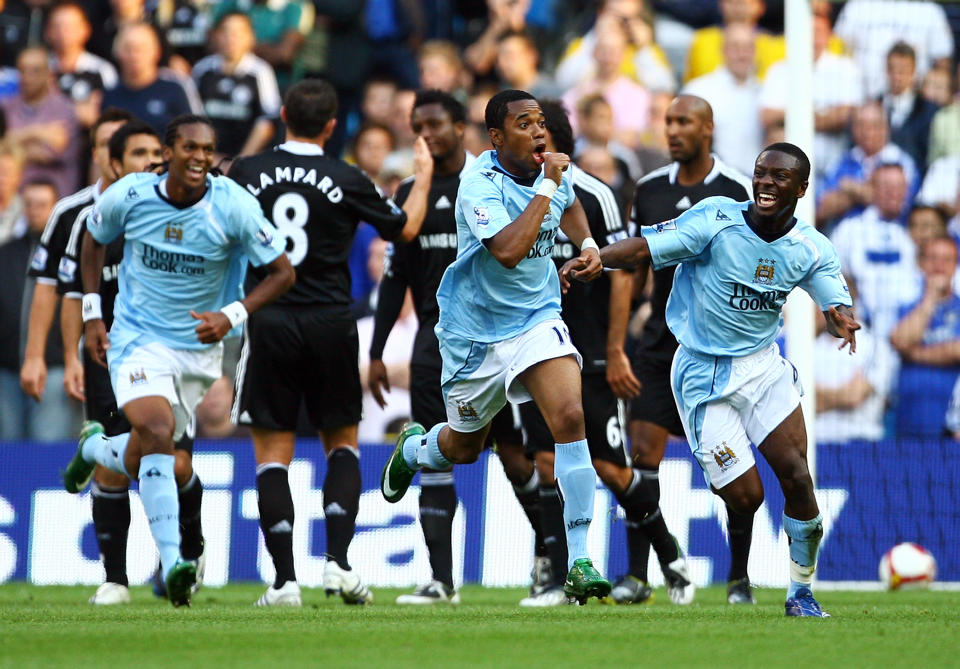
point(907, 566)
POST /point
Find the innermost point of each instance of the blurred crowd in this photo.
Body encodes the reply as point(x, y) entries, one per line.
point(886, 149)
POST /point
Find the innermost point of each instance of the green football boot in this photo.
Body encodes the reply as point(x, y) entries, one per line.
point(397, 474)
point(79, 472)
point(583, 582)
point(180, 582)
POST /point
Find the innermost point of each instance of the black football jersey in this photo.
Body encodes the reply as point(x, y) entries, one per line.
point(48, 258)
point(233, 102)
point(420, 263)
point(659, 198)
point(69, 280)
point(585, 308)
point(315, 201)
point(91, 73)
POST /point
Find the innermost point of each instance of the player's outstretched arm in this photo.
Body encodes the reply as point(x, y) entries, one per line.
point(575, 226)
point(842, 325)
point(415, 206)
point(214, 325)
point(92, 257)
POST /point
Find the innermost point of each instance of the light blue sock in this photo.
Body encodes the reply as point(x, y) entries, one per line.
point(429, 454)
point(107, 451)
point(804, 537)
point(411, 447)
point(577, 481)
point(158, 492)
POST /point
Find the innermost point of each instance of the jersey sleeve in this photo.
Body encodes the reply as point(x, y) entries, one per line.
point(45, 261)
point(685, 237)
point(825, 282)
point(109, 214)
point(253, 230)
point(480, 203)
point(69, 282)
point(369, 205)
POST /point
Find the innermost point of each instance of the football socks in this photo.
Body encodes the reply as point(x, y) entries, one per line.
point(429, 454)
point(551, 526)
point(804, 537)
point(641, 503)
point(276, 518)
point(438, 504)
point(107, 451)
point(740, 532)
point(528, 495)
point(191, 529)
point(158, 492)
point(576, 480)
point(341, 499)
point(111, 523)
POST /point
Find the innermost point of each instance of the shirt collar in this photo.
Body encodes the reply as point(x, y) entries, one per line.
point(302, 148)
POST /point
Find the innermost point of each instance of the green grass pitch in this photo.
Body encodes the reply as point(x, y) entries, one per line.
point(54, 626)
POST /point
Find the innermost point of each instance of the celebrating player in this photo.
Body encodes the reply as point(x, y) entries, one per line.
point(738, 262)
point(661, 195)
point(500, 332)
point(188, 237)
point(439, 119)
point(304, 347)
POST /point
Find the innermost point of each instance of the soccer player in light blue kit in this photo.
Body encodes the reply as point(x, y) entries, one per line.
point(738, 261)
point(501, 336)
point(187, 238)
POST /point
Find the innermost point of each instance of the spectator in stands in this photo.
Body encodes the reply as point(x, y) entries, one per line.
point(876, 253)
point(503, 17)
point(707, 50)
point(395, 31)
point(945, 129)
point(141, 90)
point(837, 91)
point(925, 223)
point(518, 66)
point(734, 93)
point(441, 68)
point(11, 204)
point(937, 88)
point(871, 27)
point(9, 80)
point(238, 89)
point(629, 100)
point(940, 185)
point(595, 123)
point(279, 25)
point(851, 390)
point(81, 76)
point(642, 60)
point(21, 24)
point(371, 147)
point(54, 417)
point(183, 25)
point(42, 121)
point(399, 124)
point(845, 190)
point(928, 340)
point(909, 113)
point(598, 161)
point(377, 102)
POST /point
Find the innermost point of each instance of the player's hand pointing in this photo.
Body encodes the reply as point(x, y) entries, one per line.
point(378, 382)
point(214, 326)
point(843, 325)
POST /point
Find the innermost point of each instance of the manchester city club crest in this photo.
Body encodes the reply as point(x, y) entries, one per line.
point(173, 234)
point(724, 456)
point(764, 273)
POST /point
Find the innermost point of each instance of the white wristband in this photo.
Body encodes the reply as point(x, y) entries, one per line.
point(90, 307)
point(547, 188)
point(236, 312)
point(588, 243)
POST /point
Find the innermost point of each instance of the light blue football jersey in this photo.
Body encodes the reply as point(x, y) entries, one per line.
point(730, 287)
point(479, 298)
point(179, 258)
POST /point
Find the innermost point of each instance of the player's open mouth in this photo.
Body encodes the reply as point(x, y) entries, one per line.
point(195, 170)
point(538, 152)
point(766, 199)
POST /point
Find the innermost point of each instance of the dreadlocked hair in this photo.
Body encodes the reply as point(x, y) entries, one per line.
point(172, 131)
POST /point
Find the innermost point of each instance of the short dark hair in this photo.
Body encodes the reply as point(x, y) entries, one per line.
point(172, 131)
point(109, 115)
point(433, 96)
point(926, 207)
point(496, 111)
point(223, 19)
point(558, 123)
point(118, 143)
point(370, 126)
point(42, 182)
point(902, 48)
point(796, 152)
point(310, 104)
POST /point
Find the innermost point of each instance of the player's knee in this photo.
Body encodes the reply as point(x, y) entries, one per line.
point(744, 501)
point(156, 435)
point(182, 467)
point(795, 480)
point(463, 455)
point(107, 478)
point(567, 422)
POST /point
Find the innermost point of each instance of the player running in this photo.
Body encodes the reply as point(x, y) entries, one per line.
point(500, 332)
point(661, 195)
point(303, 348)
point(188, 238)
point(439, 119)
point(738, 263)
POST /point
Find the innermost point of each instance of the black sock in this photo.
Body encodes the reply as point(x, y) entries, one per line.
point(438, 504)
point(641, 502)
point(554, 537)
point(191, 530)
point(528, 495)
point(341, 500)
point(638, 548)
point(740, 530)
point(111, 522)
point(276, 519)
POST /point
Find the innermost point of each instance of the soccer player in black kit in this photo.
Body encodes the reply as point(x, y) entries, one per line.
point(133, 147)
point(439, 120)
point(304, 346)
point(662, 195)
